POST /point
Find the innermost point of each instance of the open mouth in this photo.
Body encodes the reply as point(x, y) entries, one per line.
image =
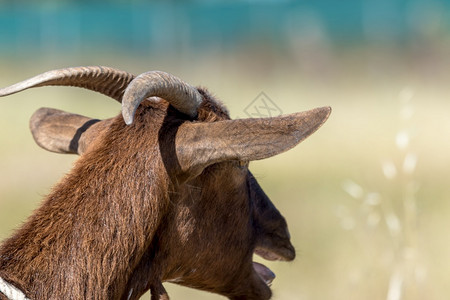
point(264, 272)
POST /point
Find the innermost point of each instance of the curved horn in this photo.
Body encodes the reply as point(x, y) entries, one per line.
point(105, 80)
point(179, 94)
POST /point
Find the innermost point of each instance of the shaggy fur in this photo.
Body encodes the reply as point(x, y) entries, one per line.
point(126, 218)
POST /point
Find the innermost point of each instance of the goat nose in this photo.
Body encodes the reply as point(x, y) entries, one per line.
point(290, 255)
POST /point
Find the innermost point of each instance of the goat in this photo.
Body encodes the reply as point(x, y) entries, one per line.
point(165, 196)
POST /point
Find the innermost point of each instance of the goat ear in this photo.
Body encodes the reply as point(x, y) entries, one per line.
point(63, 132)
point(201, 144)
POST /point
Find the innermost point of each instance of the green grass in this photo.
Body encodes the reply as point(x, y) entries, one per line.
point(304, 183)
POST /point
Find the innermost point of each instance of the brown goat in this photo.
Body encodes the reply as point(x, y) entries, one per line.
point(167, 198)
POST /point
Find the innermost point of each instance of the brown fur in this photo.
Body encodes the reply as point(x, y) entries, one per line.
point(125, 219)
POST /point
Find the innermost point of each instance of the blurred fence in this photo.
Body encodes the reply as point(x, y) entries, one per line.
point(171, 27)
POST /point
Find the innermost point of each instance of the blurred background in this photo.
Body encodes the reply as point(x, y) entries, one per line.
point(366, 197)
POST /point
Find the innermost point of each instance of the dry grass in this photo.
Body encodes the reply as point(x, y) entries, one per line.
point(341, 253)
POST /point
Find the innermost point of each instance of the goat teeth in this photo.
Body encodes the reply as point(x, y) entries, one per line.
point(264, 273)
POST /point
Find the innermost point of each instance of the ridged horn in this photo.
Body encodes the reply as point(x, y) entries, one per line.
point(105, 80)
point(179, 94)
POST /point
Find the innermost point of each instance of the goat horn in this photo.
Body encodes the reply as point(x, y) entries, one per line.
point(107, 81)
point(179, 94)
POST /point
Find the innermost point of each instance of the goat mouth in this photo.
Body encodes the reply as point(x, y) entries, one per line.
point(281, 254)
point(264, 272)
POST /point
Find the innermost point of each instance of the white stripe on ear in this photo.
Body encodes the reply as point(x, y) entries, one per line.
point(10, 291)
